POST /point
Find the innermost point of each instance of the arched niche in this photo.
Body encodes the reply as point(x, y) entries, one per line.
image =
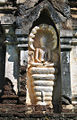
point(45, 18)
point(43, 72)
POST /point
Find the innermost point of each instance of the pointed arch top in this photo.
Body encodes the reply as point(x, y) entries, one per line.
point(30, 16)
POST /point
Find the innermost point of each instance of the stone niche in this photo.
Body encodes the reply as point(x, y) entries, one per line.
point(41, 25)
point(43, 68)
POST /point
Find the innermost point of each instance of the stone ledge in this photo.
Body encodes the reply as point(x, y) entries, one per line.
point(17, 112)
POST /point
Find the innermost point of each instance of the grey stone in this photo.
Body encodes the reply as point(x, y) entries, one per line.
point(11, 66)
point(61, 6)
point(7, 19)
point(22, 46)
point(27, 18)
point(66, 83)
point(23, 57)
point(66, 33)
point(28, 3)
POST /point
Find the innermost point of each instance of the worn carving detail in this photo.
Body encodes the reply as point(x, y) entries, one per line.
point(61, 6)
point(28, 3)
point(41, 64)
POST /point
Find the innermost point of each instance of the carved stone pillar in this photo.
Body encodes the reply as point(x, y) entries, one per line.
point(65, 66)
point(11, 67)
point(23, 62)
point(10, 89)
point(66, 80)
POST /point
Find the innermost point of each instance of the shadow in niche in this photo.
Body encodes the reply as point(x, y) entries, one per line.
point(66, 100)
point(13, 1)
point(45, 18)
point(2, 68)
